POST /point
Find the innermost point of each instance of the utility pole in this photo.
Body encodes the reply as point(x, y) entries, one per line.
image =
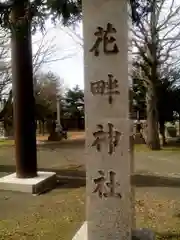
point(23, 95)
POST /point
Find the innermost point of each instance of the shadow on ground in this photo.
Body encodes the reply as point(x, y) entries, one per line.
point(69, 144)
point(71, 172)
point(173, 142)
point(139, 180)
point(66, 178)
point(177, 215)
point(168, 236)
point(70, 182)
point(70, 175)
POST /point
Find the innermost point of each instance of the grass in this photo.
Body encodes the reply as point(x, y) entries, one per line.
point(169, 147)
point(161, 214)
point(141, 148)
point(6, 142)
point(59, 213)
point(56, 215)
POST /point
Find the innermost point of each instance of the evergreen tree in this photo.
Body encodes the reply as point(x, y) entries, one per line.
point(73, 104)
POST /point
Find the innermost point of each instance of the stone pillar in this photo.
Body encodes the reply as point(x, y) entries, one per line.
point(109, 209)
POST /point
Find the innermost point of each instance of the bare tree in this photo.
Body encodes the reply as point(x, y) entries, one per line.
point(44, 52)
point(48, 87)
point(156, 41)
point(4, 62)
point(73, 34)
point(45, 49)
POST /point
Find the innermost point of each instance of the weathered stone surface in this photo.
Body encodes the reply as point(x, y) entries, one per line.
point(109, 210)
point(137, 234)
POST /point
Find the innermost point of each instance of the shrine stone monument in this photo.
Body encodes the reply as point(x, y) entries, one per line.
point(107, 120)
point(108, 166)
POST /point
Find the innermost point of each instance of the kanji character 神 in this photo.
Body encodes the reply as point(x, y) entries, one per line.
point(112, 137)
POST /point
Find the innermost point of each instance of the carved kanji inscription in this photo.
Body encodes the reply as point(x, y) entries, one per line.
point(109, 88)
point(112, 137)
point(106, 38)
point(106, 188)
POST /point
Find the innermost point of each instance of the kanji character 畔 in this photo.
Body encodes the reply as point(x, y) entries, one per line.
point(109, 87)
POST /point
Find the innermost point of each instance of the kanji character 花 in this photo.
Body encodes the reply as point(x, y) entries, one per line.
point(103, 37)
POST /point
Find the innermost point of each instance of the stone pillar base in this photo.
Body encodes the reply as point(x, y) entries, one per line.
point(43, 182)
point(138, 234)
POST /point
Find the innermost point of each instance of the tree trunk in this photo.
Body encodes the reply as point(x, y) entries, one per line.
point(5, 128)
point(179, 123)
point(24, 102)
point(43, 128)
point(53, 134)
point(152, 114)
point(152, 119)
point(39, 127)
point(162, 132)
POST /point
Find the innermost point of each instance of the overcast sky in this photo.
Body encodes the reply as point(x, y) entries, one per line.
point(70, 52)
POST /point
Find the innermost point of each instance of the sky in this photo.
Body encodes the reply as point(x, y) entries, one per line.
point(66, 44)
point(68, 49)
